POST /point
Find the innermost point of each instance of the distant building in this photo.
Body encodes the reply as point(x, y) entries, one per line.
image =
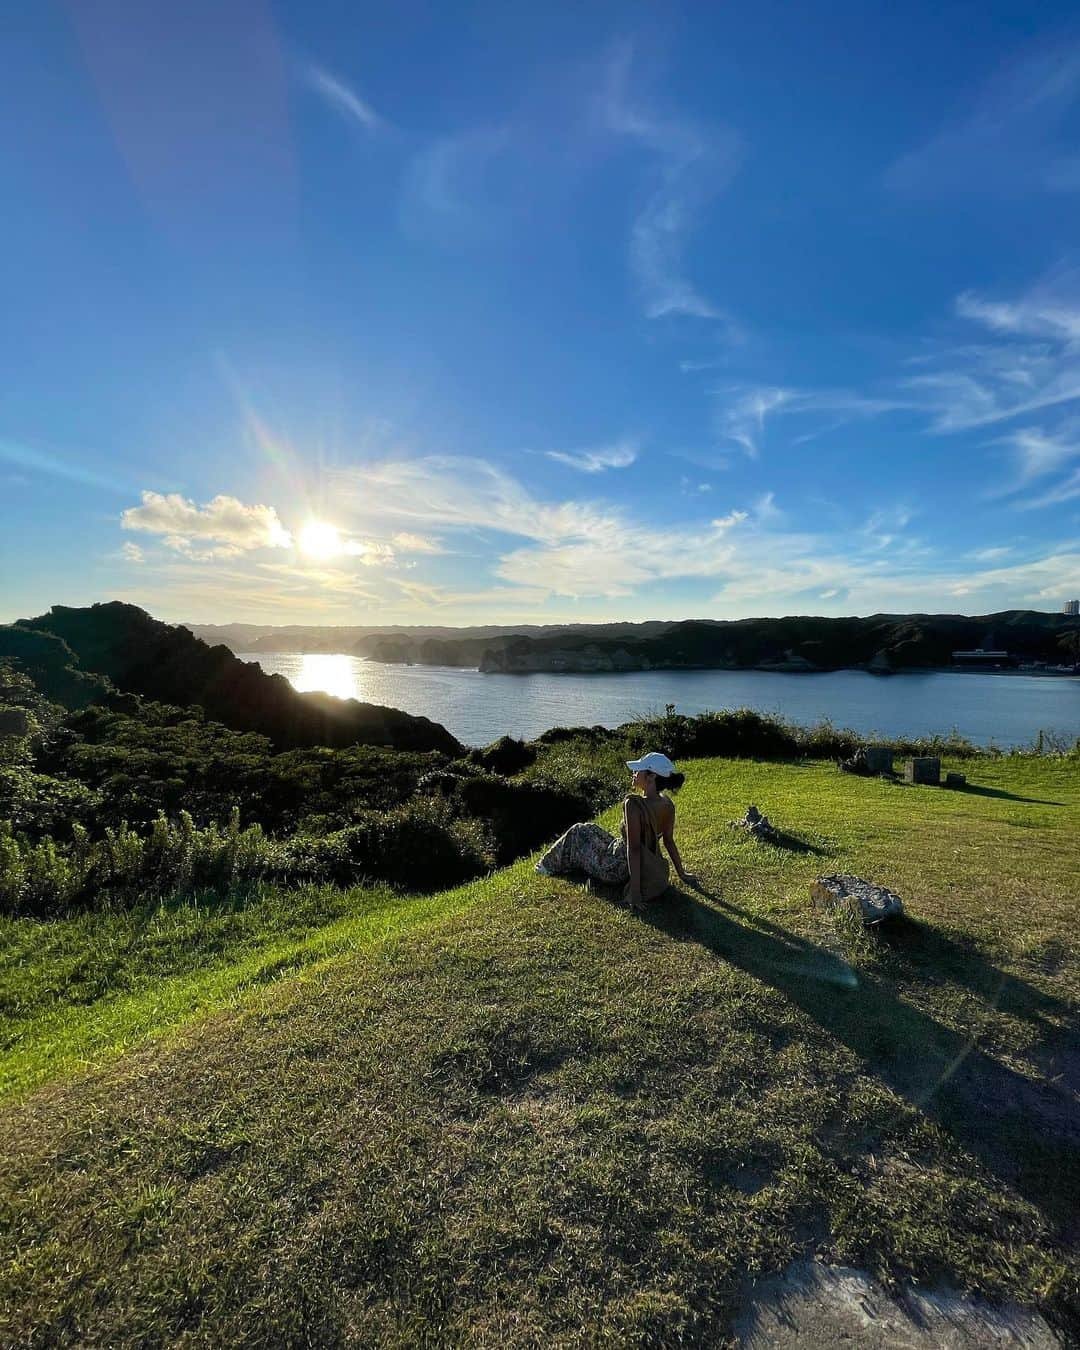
point(1071, 607)
point(982, 656)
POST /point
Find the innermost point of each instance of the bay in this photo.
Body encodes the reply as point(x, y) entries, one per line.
point(1001, 710)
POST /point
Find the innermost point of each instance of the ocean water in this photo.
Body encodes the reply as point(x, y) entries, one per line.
point(1003, 710)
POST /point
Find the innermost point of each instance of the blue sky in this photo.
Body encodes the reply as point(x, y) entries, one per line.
point(348, 313)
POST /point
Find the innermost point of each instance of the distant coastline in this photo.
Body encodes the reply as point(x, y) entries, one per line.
point(1010, 642)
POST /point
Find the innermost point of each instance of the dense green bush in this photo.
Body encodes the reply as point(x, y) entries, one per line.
point(505, 756)
point(419, 846)
point(521, 816)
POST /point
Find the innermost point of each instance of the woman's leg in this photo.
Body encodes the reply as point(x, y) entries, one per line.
point(583, 848)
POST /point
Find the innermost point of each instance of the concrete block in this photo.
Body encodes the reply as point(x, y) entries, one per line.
point(925, 769)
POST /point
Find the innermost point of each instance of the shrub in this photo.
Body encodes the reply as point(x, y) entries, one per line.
point(521, 816)
point(505, 756)
point(419, 847)
point(46, 878)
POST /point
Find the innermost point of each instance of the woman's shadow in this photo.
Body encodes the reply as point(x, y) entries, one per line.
point(1026, 1132)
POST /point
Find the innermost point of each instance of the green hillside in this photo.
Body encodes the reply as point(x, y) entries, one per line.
point(512, 1113)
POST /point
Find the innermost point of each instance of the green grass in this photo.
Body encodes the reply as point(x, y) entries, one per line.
point(513, 1113)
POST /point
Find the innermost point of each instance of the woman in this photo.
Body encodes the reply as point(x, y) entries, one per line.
point(633, 859)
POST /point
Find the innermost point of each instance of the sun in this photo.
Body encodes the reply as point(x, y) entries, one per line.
point(320, 540)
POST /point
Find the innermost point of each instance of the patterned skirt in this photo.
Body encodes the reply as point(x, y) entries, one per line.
point(587, 848)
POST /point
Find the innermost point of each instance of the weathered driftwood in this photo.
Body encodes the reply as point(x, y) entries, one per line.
point(870, 903)
point(925, 769)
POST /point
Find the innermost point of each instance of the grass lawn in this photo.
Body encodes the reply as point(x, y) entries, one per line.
point(515, 1114)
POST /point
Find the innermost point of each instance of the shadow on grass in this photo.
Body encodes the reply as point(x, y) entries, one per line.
point(793, 844)
point(974, 790)
point(929, 956)
point(1024, 1131)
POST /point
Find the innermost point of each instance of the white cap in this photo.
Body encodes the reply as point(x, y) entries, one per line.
point(653, 762)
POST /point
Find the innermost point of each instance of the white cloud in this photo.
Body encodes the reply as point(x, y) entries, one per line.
point(370, 552)
point(341, 97)
point(692, 163)
point(455, 493)
point(186, 549)
point(132, 553)
point(228, 523)
point(618, 456)
point(416, 543)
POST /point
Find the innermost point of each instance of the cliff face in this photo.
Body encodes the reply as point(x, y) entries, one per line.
point(140, 655)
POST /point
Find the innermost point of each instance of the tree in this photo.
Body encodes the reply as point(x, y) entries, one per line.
point(1070, 644)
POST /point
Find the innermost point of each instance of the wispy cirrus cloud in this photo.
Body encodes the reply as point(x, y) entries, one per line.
point(447, 192)
point(1043, 313)
point(342, 97)
point(692, 162)
point(1068, 490)
point(1038, 453)
point(618, 456)
point(1012, 135)
point(742, 412)
point(1027, 359)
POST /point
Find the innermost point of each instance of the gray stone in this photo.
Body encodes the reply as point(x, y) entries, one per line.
point(813, 1307)
point(955, 780)
point(761, 827)
point(870, 903)
point(869, 760)
point(879, 758)
point(926, 769)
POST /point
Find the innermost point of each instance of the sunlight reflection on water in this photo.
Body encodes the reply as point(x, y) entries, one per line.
point(333, 674)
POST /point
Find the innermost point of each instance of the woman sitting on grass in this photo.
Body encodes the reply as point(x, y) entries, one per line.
point(633, 859)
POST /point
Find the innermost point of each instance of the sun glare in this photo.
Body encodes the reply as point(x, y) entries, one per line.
point(320, 540)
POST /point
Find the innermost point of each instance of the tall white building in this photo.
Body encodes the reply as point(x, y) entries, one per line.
point(1071, 607)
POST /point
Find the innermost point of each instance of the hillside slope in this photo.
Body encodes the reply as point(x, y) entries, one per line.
point(141, 655)
point(539, 1120)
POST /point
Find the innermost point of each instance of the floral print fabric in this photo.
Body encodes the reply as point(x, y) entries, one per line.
point(587, 848)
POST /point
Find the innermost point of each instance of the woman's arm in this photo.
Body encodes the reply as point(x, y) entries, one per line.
point(633, 851)
point(668, 837)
